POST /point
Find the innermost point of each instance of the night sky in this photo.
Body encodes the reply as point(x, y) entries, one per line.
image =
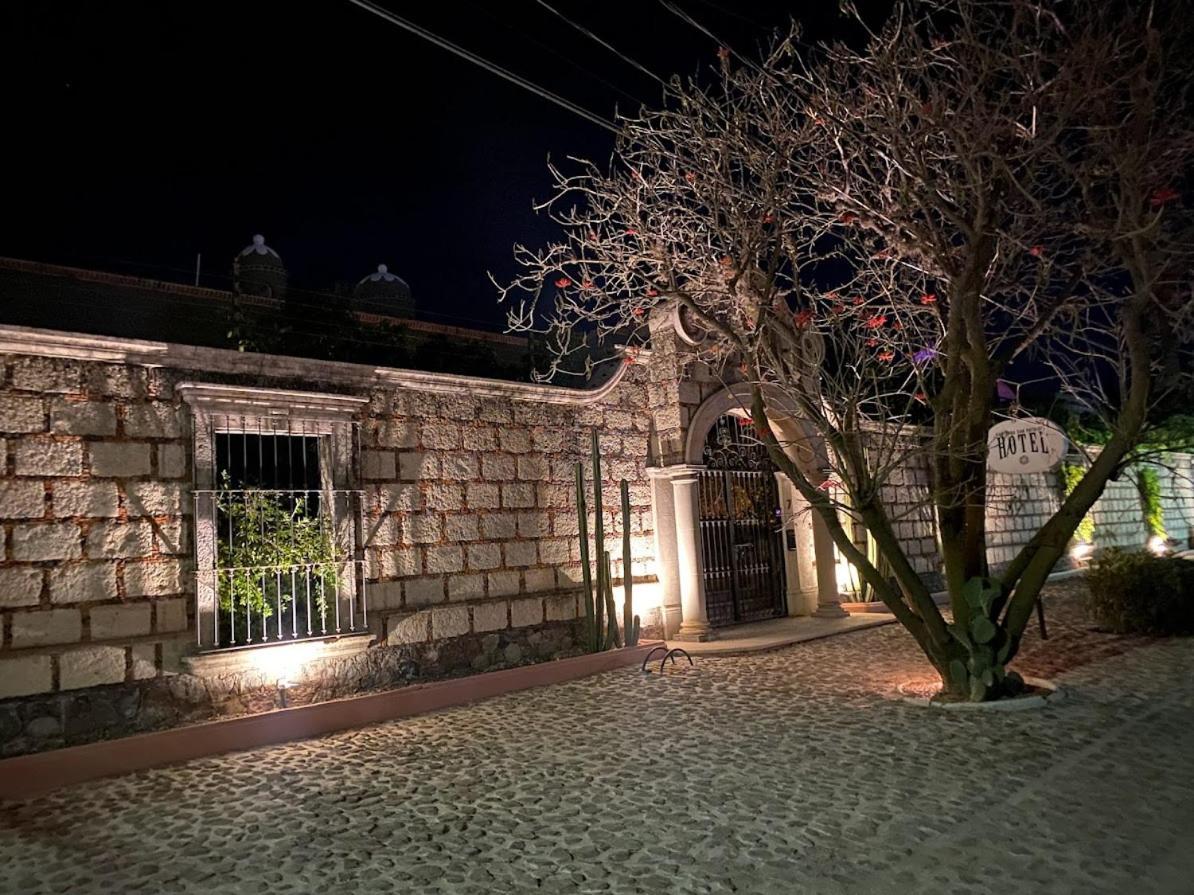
point(142, 133)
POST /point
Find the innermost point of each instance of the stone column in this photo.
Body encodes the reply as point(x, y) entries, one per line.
point(805, 558)
point(829, 601)
point(666, 566)
point(695, 624)
point(206, 546)
point(791, 545)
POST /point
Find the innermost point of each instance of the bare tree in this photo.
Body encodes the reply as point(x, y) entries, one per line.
point(874, 236)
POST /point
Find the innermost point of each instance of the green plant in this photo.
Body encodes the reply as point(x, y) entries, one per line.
point(630, 623)
point(1135, 592)
point(1150, 498)
point(601, 620)
point(987, 647)
point(1071, 475)
point(273, 552)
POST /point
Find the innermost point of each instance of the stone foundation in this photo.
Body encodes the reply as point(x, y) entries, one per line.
point(53, 720)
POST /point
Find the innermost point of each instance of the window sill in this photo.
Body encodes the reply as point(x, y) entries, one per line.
point(287, 660)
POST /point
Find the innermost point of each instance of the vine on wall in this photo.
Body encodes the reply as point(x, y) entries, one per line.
point(1071, 475)
point(1149, 484)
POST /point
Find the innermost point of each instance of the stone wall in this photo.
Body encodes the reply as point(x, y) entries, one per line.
point(1017, 506)
point(1020, 505)
point(469, 527)
point(94, 502)
point(1176, 478)
point(470, 513)
point(1119, 516)
point(907, 496)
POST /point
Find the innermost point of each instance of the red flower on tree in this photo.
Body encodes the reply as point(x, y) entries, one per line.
point(804, 317)
point(847, 217)
point(871, 343)
point(1162, 196)
point(1037, 251)
point(875, 321)
point(886, 356)
point(723, 53)
point(920, 396)
point(630, 231)
point(563, 283)
point(587, 284)
point(769, 218)
point(690, 177)
point(637, 312)
point(651, 293)
point(928, 298)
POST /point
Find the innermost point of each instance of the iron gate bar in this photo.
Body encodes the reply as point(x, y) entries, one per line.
point(740, 531)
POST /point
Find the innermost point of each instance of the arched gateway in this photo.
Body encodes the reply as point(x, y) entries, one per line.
point(741, 522)
point(736, 542)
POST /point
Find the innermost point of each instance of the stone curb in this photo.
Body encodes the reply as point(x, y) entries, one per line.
point(1039, 700)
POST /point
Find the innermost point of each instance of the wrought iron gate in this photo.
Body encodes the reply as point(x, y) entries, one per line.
point(741, 527)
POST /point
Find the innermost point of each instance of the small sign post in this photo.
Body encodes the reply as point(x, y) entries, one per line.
point(1032, 444)
point(1023, 446)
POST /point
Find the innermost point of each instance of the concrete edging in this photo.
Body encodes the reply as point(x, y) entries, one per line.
point(25, 776)
point(1053, 694)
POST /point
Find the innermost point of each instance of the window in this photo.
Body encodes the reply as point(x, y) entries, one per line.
point(278, 517)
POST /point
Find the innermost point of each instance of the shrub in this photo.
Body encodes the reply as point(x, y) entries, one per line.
point(1138, 593)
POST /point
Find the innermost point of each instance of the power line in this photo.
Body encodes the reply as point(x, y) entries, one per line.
point(567, 60)
point(734, 14)
point(490, 67)
point(589, 34)
point(686, 18)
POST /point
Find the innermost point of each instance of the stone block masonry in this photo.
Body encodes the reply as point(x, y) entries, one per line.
point(468, 526)
point(475, 494)
point(94, 575)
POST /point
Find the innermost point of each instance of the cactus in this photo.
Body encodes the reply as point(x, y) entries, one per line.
point(601, 617)
point(630, 622)
point(613, 637)
point(587, 577)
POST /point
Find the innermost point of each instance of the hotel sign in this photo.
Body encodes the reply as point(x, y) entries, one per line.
point(1026, 445)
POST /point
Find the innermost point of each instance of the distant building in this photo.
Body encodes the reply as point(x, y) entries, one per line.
point(375, 322)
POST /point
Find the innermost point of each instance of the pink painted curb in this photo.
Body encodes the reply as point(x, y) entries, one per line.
point(26, 776)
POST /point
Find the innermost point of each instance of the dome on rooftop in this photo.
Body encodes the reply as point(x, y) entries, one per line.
point(382, 292)
point(258, 270)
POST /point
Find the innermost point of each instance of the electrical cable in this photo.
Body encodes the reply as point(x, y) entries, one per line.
point(394, 19)
point(589, 34)
point(567, 60)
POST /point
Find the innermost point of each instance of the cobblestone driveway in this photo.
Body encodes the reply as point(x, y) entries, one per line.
point(784, 772)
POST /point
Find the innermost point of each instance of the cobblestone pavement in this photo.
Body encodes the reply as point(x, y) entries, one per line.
point(786, 772)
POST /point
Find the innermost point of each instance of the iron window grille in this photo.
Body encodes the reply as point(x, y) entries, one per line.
point(278, 529)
